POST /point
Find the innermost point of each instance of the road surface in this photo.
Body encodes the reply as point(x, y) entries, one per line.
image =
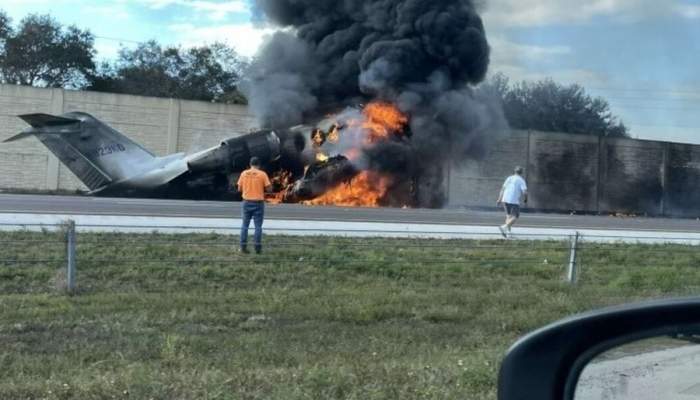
point(82, 205)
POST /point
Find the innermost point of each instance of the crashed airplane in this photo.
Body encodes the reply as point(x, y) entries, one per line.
point(339, 160)
point(110, 164)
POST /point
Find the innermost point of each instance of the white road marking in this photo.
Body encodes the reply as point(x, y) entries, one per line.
point(521, 225)
point(117, 223)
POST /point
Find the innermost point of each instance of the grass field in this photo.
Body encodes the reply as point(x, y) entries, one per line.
point(186, 317)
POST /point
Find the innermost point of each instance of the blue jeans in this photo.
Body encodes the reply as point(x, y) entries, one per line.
point(256, 211)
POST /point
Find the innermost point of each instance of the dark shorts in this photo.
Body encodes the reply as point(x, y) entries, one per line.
point(512, 210)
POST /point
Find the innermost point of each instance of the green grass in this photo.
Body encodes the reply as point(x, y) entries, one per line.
point(186, 317)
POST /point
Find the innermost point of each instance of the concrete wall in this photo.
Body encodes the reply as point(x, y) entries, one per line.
point(586, 173)
point(632, 176)
point(565, 172)
point(25, 164)
point(682, 180)
point(476, 183)
point(163, 126)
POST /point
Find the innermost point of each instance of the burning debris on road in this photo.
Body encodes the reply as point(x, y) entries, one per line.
point(319, 178)
point(338, 172)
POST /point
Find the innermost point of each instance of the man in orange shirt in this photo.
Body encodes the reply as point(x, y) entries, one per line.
point(252, 184)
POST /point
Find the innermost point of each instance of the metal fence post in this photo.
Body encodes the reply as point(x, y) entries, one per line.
point(572, 273)
point(70, 252)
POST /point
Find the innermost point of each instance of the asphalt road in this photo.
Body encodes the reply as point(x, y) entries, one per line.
point(82, 205)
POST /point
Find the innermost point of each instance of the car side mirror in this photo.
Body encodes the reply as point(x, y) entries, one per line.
point(547, 364)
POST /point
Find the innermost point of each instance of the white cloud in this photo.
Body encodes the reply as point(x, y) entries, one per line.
point(583, 77)
point(510, 57)
point(215, 10)
point(505, 51)
point(245, 38)
point(232, 6)
point(117, 11)
point(158, 4)
point(523, 13)
point(27, 2)
point(227, 7)
point(689, 11)
point(515, 60)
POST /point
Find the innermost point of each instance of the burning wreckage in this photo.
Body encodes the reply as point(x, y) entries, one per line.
point(325, 164)
point(337, 166)
point(415, 64)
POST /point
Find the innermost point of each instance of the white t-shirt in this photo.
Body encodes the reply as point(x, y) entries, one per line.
point(513, 189)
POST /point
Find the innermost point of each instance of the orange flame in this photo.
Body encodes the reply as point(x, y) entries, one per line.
point(379, 121)
point(352, 154)
point(280, 181)
point(382, 120)
point(320, 157)
point(334, 134)
point(367, 189)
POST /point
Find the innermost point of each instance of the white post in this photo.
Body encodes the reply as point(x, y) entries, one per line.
point(70, 252)
point(572, 274)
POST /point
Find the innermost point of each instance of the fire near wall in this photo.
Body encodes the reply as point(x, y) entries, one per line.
point(565, 172)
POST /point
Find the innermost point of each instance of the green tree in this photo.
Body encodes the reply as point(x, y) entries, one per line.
point(546, 105)
point(40, 52)
point(209, 73)
point(5, 28)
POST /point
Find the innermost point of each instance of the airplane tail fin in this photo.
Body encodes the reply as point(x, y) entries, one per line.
point(44, 120)
point(40, 121)
point(96, 153)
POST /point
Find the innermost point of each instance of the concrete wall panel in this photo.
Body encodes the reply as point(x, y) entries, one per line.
point(477, 182)
point(142, 119)
point(682, 180)
point(562, 171)
point(16, 100)
point(23, 163)
point(632, 176)
point(23, 171)
point(203, 125)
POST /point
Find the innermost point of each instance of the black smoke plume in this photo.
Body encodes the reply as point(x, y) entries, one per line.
point(424, 56)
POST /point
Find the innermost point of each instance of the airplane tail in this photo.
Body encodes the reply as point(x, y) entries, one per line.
point(96, 153)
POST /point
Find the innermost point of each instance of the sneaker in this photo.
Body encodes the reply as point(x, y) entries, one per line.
point(258, 249)
point(244, 250)
point(502, 228)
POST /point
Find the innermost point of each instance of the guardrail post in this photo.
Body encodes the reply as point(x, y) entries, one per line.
point(70, 253)
point(572, 273)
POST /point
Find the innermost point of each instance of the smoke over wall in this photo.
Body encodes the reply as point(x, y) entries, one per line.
point(421, 55)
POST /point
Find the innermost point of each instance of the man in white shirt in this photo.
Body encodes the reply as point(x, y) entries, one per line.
point(513, 191)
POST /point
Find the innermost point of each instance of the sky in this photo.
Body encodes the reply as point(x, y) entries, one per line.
point(641, 55)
